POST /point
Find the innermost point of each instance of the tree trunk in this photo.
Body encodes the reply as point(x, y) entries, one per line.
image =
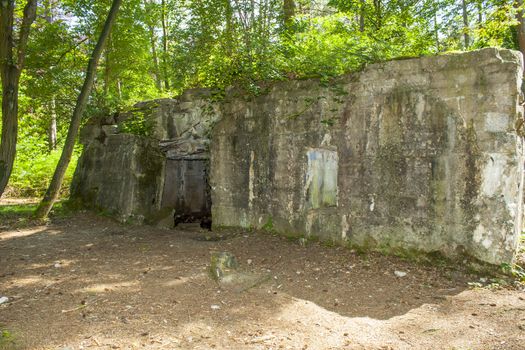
point(107, 67)
point(480, 12)
point(465, 24)
point(49, 16)
point(119, 88)
point(12, 57)
point(436, 31)
point(288, 13)
point(58, 177)
point(165, 46)
point(228, 30)
point(378, 14)
point(362, 16)
point(49, 13)
point(156, 68)
point(520, 27)
point(52, 129)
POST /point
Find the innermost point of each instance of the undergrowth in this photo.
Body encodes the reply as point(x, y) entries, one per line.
point(21, 215)
point(33, 171)
point(7, 339)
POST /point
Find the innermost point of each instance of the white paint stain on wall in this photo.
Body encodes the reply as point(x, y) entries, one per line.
point(251, 184)
point(492, 173)
point(496, 122)
point(321, 178)
point(420, 107)
point(496, 180)
point(345, 227)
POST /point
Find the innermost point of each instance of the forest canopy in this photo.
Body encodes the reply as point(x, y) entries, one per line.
point(158, 48)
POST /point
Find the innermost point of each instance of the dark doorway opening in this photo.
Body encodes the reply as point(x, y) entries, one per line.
point(187, 191)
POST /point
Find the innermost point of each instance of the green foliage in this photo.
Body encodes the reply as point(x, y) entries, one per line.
point(498, 28)
point(514, 270)
point(268, 226)
point(7, 339)
point(21, 215)
point(34, 167)
point(18, 212)
point(160, 48)
point(139, 123)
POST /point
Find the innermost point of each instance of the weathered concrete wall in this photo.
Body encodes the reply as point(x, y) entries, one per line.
point(415, 154)
point(127, 166)
point(120, 176)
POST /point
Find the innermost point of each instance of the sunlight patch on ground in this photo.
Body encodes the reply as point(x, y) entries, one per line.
point(331, 328)
point(53, 232)
point(196, 279)
point(18, 201)
point(29, 280)
point(176, 282)
point(4, 236)
point(150, 341)
point(36, 266)
point(63, 263)
point(109, 287)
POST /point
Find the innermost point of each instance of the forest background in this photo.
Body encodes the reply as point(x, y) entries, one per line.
point(158, 48)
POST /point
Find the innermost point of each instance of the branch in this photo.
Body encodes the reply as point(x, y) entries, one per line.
point(29, 18)
point(69, 50)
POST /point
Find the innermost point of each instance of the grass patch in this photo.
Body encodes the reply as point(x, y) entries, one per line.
point(7, 339)
point(15, 216)
point(33, 170)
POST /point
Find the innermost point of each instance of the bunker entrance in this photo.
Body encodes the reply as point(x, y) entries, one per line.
point(186, 190)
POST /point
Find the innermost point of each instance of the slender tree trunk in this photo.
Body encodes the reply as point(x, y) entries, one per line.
point(119, 89)
point(49, 13)
point(465, 24)
point(165, 45)
point(58, 177)
point(521, 27)
point(107, 67)
point(49, 16)
point(228, 30)
point(288, 13)
point(12, 57)
point(480, 12)
point(436, 31)
point(362, 16)
point(52, 129)
point(378, 14)
point(156, 68)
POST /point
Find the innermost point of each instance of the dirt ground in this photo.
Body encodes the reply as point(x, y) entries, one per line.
point(88, 282)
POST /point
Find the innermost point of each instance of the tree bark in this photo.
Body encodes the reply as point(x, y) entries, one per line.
point(378, 14)
point(288, 13)
point(362, 16)
point(49, 17)
point(229, 42)
point(12, 57)
point(436, 31)
point(107, 67)
point(58, 177)
point(520, 27)
point(465, 24)
point(165, 45)
point(480, 12)
point(155, 57)
point(52, 129)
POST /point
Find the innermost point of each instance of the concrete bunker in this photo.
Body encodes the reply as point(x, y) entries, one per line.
point(415, 155)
